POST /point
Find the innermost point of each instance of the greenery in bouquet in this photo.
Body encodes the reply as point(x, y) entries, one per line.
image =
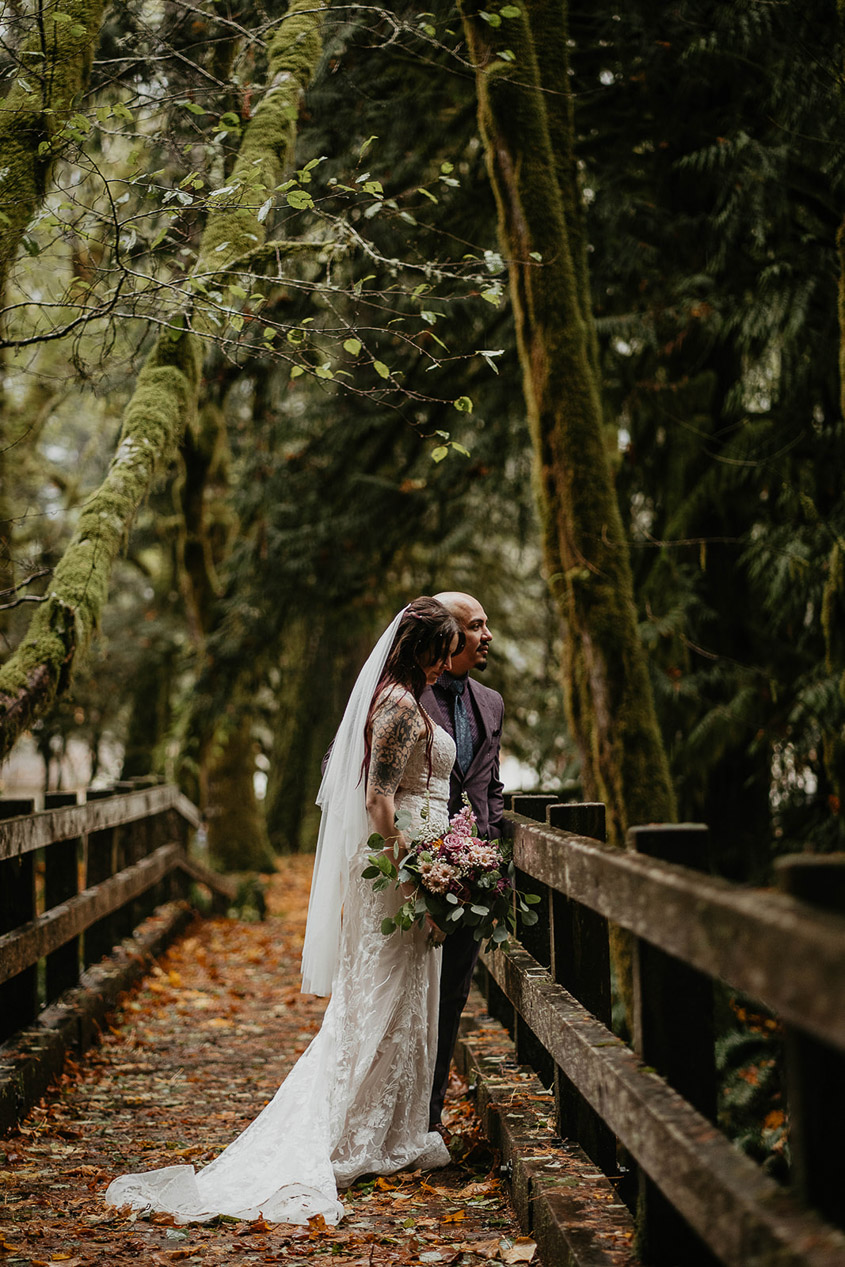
point(459, 880)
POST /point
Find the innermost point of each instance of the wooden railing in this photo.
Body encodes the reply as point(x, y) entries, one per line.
point(698, 1198)
point(77, 878)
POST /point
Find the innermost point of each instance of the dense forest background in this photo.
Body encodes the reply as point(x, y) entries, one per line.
point(333, 274)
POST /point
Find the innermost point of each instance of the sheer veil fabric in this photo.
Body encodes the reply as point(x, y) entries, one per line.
point(343, 825)
point(356, 1102)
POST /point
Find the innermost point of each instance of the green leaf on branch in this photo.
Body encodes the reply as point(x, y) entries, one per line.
point(510, 11)
point(352, 346)
point(324, 370)
point(296, 371)
point(299, 199)
point(381, 369)
point(463, 405)
point(438, 454)
point(388, 926)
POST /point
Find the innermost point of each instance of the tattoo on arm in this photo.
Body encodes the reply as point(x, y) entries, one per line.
point(396, 728)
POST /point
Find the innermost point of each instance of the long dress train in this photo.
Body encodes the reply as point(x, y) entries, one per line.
point(356, 1102)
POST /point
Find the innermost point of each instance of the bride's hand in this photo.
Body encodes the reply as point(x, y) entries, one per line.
point(435, 934)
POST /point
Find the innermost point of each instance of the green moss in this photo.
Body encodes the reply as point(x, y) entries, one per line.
point(35, 115)
point(161, 406)
point(165, 398)
point(608, 690)
point(234, 229)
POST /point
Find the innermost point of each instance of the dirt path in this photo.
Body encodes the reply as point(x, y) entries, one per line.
point(192, 1055)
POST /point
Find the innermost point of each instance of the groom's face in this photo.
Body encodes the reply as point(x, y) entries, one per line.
point(473, 620)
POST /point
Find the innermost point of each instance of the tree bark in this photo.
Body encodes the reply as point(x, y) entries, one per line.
point(164, 401)
point(237, 835)
point(608, 691)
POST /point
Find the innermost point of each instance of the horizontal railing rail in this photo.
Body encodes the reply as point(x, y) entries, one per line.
point(76, 878)
point(698, 1199)
point(35, 830)
point(738, 935)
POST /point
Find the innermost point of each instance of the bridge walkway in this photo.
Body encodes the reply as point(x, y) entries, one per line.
point(191, 1055)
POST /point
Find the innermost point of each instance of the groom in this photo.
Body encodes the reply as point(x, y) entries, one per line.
point(472, 714)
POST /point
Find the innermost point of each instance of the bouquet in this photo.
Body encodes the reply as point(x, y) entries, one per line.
point(459, 880)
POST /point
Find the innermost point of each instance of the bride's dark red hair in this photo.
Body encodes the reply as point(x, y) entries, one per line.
point(425, 635)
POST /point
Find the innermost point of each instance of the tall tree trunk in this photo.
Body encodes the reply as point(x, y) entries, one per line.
point(237, 835)
point(608, 690)
point(164, 401)
point(833, 602)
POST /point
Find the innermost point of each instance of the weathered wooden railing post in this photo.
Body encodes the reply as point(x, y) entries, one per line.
point(536, 939)
point(499, 1005)
point(18, 997)
point(61, 881)
point(100, 865)
point(815, 1071)
point(581, 964)
point(674, 1034)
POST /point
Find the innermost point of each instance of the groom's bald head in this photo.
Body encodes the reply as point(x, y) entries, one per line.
point(473, 621)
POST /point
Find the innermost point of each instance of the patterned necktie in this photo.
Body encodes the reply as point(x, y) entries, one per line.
point(463, 734)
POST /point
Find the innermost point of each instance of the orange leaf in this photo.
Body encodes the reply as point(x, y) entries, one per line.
point(317, 1225)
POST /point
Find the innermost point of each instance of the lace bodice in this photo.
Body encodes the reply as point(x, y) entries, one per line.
point(417, 792)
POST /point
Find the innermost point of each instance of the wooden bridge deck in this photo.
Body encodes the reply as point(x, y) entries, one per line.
point(190, 1057)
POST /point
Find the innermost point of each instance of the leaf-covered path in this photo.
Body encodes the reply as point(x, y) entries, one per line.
point(189, 1059)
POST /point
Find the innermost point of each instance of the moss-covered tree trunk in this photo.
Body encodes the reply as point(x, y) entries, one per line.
point(165, 398)
point(609, 697)
point(55, 64)
point(237, 834)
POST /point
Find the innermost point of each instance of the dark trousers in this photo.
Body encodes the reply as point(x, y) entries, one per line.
point(460, 952)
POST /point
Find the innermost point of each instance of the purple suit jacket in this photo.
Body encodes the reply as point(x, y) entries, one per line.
point(481, 781)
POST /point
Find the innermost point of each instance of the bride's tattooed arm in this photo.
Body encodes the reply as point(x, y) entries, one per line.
point(396, 728)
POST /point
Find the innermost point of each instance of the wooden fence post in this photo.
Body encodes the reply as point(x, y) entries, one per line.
point(100, 865)
point(536, 939)
point(815, 1072)
point(19, 996)
point(674, 1034)
point(61, 881)
point(581, 964)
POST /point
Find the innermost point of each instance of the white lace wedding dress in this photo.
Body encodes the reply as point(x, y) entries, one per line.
point(356, 1102)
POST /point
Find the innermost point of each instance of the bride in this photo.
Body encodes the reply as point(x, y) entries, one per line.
point(356, 1102)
